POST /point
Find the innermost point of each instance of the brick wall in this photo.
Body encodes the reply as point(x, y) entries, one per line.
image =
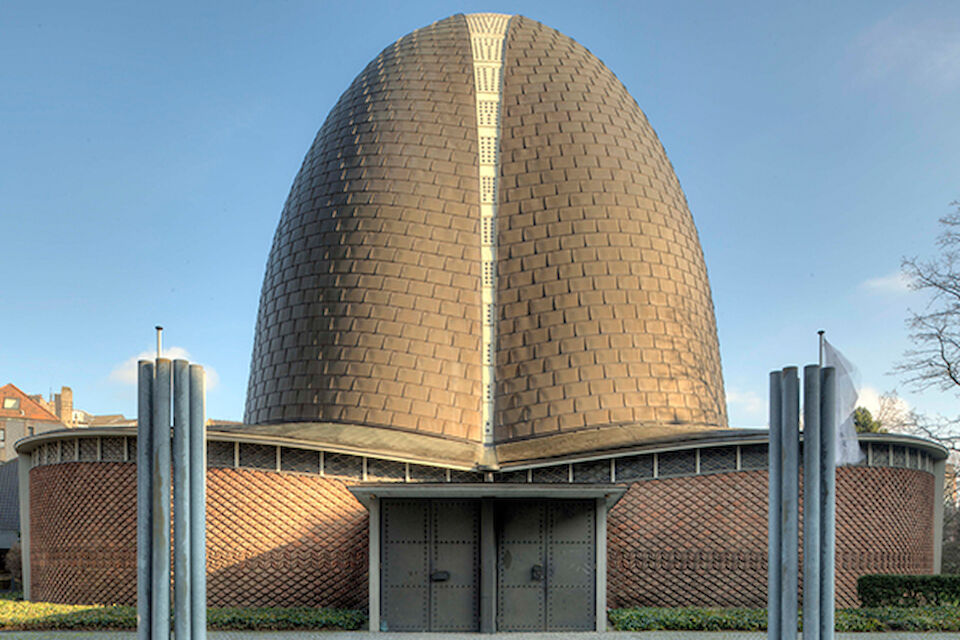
point(702, 540)
point(273, 539)
point(283, 539)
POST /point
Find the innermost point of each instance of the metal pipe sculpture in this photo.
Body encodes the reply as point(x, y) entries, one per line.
point(819, 448)
point(153, 500)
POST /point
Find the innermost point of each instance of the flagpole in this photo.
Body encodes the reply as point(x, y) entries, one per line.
point(820, 334)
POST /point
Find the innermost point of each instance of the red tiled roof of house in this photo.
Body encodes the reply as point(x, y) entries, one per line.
point(29, 408)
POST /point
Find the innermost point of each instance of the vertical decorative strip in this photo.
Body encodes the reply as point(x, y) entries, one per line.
point(487, 34)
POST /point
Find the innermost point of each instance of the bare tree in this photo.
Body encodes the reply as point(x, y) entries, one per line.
point(934, 362)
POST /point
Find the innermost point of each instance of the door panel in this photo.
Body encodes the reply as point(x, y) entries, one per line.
point(404, 564)
point(571, 566)
point(404, 608)
point(520, 551)
point(571, 557)
point(455, 573)
point(520, 608)
point(429, 565)
point(546, 565)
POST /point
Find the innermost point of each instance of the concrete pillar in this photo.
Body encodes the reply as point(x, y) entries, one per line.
point(374, 570)
point(939, 479)
point(601, 545)
point(23, 477)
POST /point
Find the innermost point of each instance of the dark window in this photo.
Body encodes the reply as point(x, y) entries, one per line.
point(258, 456)
point(463, 476)
point(718, 459)
point(753, 456)
point(111, 449)
point(423, 473)
point(555, 474)
point(677, 463)
point(634, 468)
point(596, 471)
point(301, 460)
point(346, 466)
point(511, 476)
point(899, 457)
point(29, 431)
point(88, 450)
point(386, 470)
point(220, 454)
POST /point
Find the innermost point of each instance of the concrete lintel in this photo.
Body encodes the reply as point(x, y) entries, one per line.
point(609, 493)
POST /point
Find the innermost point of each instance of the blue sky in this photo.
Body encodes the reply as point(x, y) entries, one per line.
point(146, 151)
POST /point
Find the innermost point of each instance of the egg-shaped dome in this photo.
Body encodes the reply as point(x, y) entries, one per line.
point(487, 246)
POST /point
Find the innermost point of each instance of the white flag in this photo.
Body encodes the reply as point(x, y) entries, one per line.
point(848, 447)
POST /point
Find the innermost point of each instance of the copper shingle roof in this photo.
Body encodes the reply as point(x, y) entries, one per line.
point(439, 242)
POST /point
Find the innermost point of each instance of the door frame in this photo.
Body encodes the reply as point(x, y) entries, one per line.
point(605, 496)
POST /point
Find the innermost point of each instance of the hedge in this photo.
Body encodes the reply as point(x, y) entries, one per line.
point(908, 591)
point(687, 619)
point(942, 618)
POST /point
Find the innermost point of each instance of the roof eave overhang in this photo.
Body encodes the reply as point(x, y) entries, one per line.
point(610, 493)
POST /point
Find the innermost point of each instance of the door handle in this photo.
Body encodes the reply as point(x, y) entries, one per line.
point(439, 576)
point(536, 572)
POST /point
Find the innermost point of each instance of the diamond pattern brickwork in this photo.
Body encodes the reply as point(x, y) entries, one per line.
point(284, 540)
point(605, 313)
point(370, 308)
point(702, 540)
point(273, 539)
point(83, 533)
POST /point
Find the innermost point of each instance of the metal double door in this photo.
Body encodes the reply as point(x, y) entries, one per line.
point(429, 569)
point(546, 565)
point(544, 558)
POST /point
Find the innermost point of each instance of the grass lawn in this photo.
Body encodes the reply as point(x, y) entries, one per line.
point(19, 615)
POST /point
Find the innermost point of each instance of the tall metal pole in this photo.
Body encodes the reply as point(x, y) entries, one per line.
point(773, 513)
point(198, 500)
point(828, 494)
point(811, 502)
point(181, 499)
point(160, 502)
point(789, 498)
point(144, 451)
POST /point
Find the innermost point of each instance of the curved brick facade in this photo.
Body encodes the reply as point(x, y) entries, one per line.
point(713, 550)
point(284, 539)
point(273, 539)
point(371, 312)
